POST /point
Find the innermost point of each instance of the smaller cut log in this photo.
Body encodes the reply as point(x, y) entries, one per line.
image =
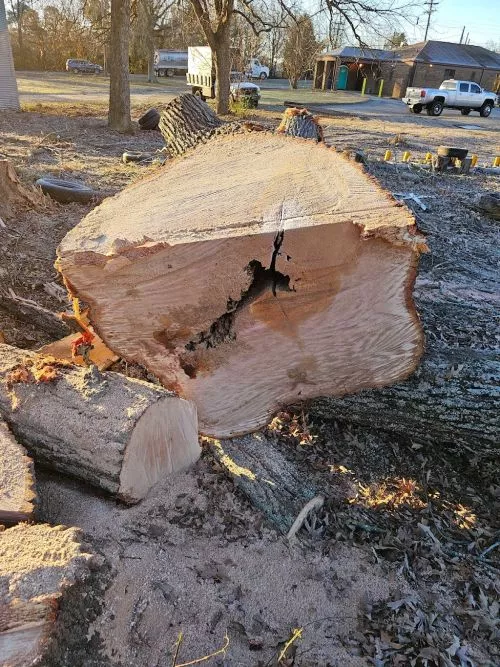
point(119, 434)
point(300, 123)
point(38, 564)
point(62, 350)
point(17, 480)
point(272, 483)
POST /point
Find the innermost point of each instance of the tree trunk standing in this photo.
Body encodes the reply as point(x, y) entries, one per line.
point(119, 89)
point(222, 70)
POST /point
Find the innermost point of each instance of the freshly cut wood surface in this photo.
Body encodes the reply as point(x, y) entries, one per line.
point(100, 354)
point(256, 271)
point(17, 480)
point(119, 434)
point(38, 564)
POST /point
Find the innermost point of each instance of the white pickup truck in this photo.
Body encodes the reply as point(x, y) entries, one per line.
point(451, 94)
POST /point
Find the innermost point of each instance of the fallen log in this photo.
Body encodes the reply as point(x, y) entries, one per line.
point(261, 472)
point(289, 277)
point(119, 434)
point(38, 565)
point(17, 480)
point(454, 398)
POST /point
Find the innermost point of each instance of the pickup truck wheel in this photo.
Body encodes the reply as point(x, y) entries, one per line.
point(416, 108)
point(465, 112)
point(197, 93)
point(263, 76)
point(435, 109)
point(486, 109)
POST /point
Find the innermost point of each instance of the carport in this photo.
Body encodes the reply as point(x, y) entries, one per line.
point(348, 67)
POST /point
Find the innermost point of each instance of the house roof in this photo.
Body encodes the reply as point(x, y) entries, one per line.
point(438, 53)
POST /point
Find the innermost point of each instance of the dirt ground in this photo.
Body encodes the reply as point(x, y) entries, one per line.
point(397, 570)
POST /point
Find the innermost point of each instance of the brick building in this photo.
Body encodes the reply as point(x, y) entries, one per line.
point(424, 64)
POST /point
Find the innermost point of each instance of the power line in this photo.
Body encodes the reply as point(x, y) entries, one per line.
point(432, 5)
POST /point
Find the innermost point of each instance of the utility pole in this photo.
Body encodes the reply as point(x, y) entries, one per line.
point(432, 4)
point(462, 35)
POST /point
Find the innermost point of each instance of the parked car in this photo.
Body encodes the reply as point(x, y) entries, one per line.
point(81, 66)
point(451, 94)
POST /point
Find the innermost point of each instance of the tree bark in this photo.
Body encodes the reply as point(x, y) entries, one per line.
point(300, 123)
point(31, 312)
point(119, 89)
point(453, 398)
point(289, 278)
point(17, 480)
point(222, 56)
point(270, 482)
point(118, 434)
point(38, 565)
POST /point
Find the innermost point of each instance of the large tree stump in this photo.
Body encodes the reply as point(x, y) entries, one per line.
point(38, 564)
point(17, 480)
point(288, 276)
point(119, 434)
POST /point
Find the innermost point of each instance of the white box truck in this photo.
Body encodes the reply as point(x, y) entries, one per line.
point(201, 77)
point(169, 63)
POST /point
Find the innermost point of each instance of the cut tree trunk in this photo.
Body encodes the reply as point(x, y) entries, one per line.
point(290, 276)
point(119, 434)
point(17, 480)
point(38, 564)
point(300, 123)
point(188, 121)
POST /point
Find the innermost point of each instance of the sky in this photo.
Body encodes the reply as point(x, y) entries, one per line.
point(480, 17)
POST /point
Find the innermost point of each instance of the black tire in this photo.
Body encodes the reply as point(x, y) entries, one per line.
point(465, 112)
point(66, 192)
point(263, 76)
point(150, 115)
point(97, 71)
point(450, 151)
point(75, 71)
point(486, 109)
point(435, 108)
point(416, 108)
point(151, 125)
point(169, 72)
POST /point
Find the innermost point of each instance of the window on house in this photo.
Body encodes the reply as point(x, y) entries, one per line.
point(449, 73)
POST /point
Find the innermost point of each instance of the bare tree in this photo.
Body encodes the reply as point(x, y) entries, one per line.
point(300, 48)
point(119, 89)
point(9, 97)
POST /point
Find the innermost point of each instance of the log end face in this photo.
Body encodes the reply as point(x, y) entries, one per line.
point(17, 480)
point(164, 441)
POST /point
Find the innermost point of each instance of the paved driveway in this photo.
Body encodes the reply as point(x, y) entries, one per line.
point(396, 110)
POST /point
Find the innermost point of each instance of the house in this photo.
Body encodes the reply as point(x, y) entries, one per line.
point(424, 64)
